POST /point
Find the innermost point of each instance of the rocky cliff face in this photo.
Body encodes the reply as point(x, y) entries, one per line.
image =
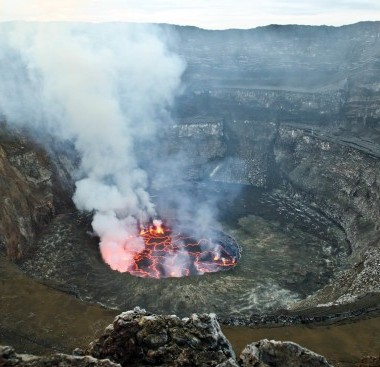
point(226, 151)
point(26, 191)
point(292, 56)
point(315, 75)
point(34, 186)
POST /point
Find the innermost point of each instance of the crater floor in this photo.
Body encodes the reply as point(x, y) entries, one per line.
point(289, 251)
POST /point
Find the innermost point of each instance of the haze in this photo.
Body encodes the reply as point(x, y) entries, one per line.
point(210, 14)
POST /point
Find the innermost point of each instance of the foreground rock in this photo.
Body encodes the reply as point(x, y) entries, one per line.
point(139, 338)
point(267, 353)
point(8, 358)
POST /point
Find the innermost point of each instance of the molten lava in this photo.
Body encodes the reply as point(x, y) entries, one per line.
point(169, 254)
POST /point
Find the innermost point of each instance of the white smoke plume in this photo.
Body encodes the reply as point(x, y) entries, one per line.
point(104, 88)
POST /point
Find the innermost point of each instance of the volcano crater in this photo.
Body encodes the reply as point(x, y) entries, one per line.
point(289, 251)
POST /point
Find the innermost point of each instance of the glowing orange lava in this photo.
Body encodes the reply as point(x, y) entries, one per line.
point(169, 254)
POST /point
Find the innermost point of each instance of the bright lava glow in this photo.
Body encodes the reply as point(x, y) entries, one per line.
point(168, 254)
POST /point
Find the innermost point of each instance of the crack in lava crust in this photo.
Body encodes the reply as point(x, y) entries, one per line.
point(169, 254)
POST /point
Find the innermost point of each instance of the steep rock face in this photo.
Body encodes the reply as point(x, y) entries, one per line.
point(226, 151)
point(305, 106)
point(137, 338)
point(321, 76)
point(344, 182)
point(295, 56)
point(34, 185)
point(27, 195)
point(197, 141)
point(362, 108)
point(248, 159)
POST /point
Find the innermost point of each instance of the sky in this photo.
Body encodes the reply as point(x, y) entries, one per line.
point(209, 14)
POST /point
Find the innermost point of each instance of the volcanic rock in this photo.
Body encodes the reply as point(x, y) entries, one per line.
point(138, 338)
point(340, 176)
point(34, 185)
point(9, 358)
point(268, 353)
point(26, 189)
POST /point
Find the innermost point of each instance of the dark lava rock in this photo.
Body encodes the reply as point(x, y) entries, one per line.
point(138, 338)
point(8, 358)
point(267, 353)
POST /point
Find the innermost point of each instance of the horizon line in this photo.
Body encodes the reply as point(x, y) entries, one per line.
point(185, 25)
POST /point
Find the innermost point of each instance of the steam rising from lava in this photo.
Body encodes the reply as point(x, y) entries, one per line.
point(169, 253)
point(104, 88)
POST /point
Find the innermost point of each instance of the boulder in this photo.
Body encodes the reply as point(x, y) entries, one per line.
point(139, 338)
point(271, 353)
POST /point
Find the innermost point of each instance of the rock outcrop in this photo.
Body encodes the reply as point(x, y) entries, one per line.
point(268, 353)
point(139, 338)
point(9, 358)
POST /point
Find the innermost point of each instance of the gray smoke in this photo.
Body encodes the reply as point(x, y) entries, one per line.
point(104, 89)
